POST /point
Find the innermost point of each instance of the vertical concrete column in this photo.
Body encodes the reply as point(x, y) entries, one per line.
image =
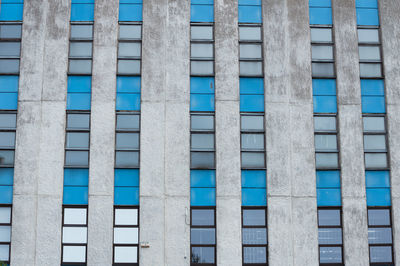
point(102, 134)
point(355, 228)
point(390, 20)
point(227, 117)
point(177, 134)
point(291, 184)
point(152, 137)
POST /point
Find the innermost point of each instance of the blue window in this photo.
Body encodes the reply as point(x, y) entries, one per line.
point(202, 96)
point(202, 11)
point(252, 95)
point(79, 92)
point(250, 11)
point(82, 10)
point(11, 10)
point(320, 12)
point(126, 196)
point(126, 187)
point(367, 12)
point(202, 187)
point(328, 188)
point(75, 196)
point(130, 10)
point(6, 183)
point(76, 183)
point(128, 93)
point(378, 188)
point(324, 91)
point(254, 192)
point(373, 96)
point(8, 92)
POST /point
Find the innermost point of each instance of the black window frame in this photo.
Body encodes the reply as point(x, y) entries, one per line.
point(202, 132)
point(12, 40)
point(10, 225)
point(128, 40)
point(202, 41)
point(11, 130)
point(80, 40)
point(323, 61)
point(135, 131)
point(379, 44)
point(259, 42)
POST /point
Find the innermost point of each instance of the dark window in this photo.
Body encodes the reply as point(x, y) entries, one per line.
point(202, 144)
point(203, 236)
point(77, 139)
point(330, 236)
point(127, 140)
point(80, 49)
point(8, 121)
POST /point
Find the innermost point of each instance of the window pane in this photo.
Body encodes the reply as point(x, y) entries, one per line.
point(125, 254)
point(10, 66)
point(374, 123)
point(379, 235)
point(252, 122)
point(129, 67)
point(6, 157)
point(329, 218)
point(5, 233)
point(203, 217)
point(321, 35)
point(126, 159)
point(370, 70)
point(374, 142)
point(4, 252)
point(254, 236)
point(253, 160)
point(203, 255)
point(130, 31)
point(81, 31)
point(7, 140)
point(80, 49)
point(322, 52)
point(325, 142)
point(326, 160)
point(254, 218)
point(250, 68)
point(250, 33)
point(251, 51)
point(330, 255)
point(129, 49)
point(381, 254)
point(126, 235)
point(255, 254)
point(378, 217)
point(324, 123)
point(202, 141)
point(78, 121)
point(330, 236)
point(75, 216)
point(202, 236)
point(323, 70)
point(369, 53)
point(202, 160)
point(5, 215)
point(8, 121)
point(77, 158)
point(77, 140)
point(126, 216)
point(128, 122)
point(202, 50)
point(127, 141)
point(75, 235)
point(253, 141)
point(202, 122)
point(201, 33)
point(375, 160)
point(10, 49)
point(74, 253)
point(80, 66)
point(10, 31)
point(202, 67)
point(368, 35)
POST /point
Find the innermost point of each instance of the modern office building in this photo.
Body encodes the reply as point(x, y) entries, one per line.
point(200, 132)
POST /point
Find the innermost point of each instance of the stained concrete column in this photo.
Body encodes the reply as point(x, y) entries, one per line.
point(152, 142)
point(291, 183)
point(227, 120)
point(36, 228)
point(355, 228)
point(390, 21)
point(177, 134)
point(102, 134)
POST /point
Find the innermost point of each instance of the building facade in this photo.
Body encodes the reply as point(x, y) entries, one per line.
point(200, 132)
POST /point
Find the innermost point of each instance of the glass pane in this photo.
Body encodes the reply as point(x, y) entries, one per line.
point(129, 49)
point(251, 51)
point(126, 216)
point(375, 160)
point(126, 235)
point(322, 52)
point(4, 252)
point(369, 53)
point(7, 140)
point(77, 140)
point(378, 217)
point(129, 67)
point(326, 160)
point(329, 218)
point(323, 70)
point(75, 216)
point(75, 235)
point(80, 66)
point(78, 121)
point(77, 158)
point(203, 255)
point(374, 142)
point(125, 254)
point(374, 123)
point(202, 236)
point(9, 66)
point(202, 141)
point(10, 31)
point(368, 35)
point(322, 123)
point(253, 141)
point(381, 254)
point(202, 122)
point(10, 49)
point(250, 68)
point(5, 215)
point(255, 254)
point(5, 233)
point(6, 157)
point(330, 236)
point(201, 32)
point(370, 70)
point(81, 31)
point(203, 217)
point(202, 160)
point(379, 235)
point(254, 236)
point(202, 67)
point(74, 253)
point(126, 159)
point(330, 255)
point(80, 49)
point(250, 33)
point(127, 141)
point(202, 50)
point(252, 122)
point(254, 218)
point(8, 121)
point(130, 31)
point(321, 35)
point(128, 122)
point(253, 160)
point(325, 142)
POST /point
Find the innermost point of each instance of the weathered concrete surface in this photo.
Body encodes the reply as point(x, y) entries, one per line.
point(355, 231)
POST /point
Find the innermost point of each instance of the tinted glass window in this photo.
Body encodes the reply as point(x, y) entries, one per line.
point(370, 70)
point(369, 53)
point(77, 158)
point(81, 31)
point(330, 236)
point(250, 68)
point(323, 70)
point(202, 50)
point(203, 217)
point(10, 31)
point(254, 218)
point(329, 217)
point(255, 254)
point(330, 255)
point(380, 235)
point(201, 33)
point(129, 49)
point(127, 141)
point(8, 121)
point(6, 157)
point(254, 236)
point(374, 123)
point(202, 67)
point(368, 35)
point(126, 159)
point(202, 236)
point(325, 142)
point(7, 139)
point(80, 49)
point(9, 66)
point(375, 160)
point(250, 33)
point(78, 121)
point(77, 140)
point(80, 66)
point(253, 141)
point(202, 159)
point(375, 142)
point(326, 160)
point(202, 141)
point(253, 160)
point(202, 122)
point(378, 217)
point(321, 52)
point(10, 49)
point(129, 67)
point(381, 254)
point(324, 123)
point(130, 32)
point(252, 122)
point(251, 51)
point(321, 35)
point(203, 255)
point(128, 122)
